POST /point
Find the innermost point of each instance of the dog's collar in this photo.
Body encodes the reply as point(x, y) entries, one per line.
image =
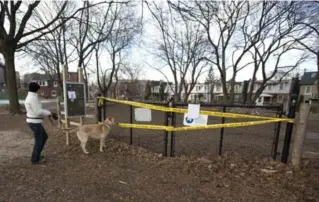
point(105, 124)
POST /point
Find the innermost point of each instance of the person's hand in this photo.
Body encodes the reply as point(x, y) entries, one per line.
point(54, 116)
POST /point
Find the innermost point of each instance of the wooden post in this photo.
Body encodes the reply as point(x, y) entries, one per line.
point(58, 107)
point(65, 96)
point(80, 79)
point(300, 133)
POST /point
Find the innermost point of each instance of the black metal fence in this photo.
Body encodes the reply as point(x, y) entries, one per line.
point(262, 140)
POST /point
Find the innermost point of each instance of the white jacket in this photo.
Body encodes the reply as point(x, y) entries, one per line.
point(34, 109)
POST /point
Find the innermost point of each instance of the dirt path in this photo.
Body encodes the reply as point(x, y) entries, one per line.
point(130, 173)
point(14, 144)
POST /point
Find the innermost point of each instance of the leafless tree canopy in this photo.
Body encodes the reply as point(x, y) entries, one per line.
point(182, 47)
point(246, 34)
point(22, 23)
point(190, 38)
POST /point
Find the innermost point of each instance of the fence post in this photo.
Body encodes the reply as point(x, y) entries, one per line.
point(59, 111)
point(222, 134)
point(300, 133)
point(98, 110)
point(166, 123)
point(104, 109)
point(131, 122)
point(291, 114)
point(277, 134)
point(65, 100)
point(173, 123)
point(81, 79)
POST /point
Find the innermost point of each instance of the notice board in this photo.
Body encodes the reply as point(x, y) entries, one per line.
point(76, 99)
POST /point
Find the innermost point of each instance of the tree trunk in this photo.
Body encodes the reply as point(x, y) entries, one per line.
point(11, 83)
point(318, 74)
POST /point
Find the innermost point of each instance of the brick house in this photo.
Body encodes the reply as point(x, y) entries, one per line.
point(49, 84)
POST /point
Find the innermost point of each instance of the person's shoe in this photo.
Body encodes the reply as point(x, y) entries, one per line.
point(42, 160)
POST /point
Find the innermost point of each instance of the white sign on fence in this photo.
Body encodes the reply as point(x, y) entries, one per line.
point(143, 115)
point(193, 110)
point(200, 120)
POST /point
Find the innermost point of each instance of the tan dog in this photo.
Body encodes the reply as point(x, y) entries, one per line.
point(95, 131)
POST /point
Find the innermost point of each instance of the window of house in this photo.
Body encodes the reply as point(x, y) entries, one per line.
point(279, 98)
point(269, 87)
point(218, 87)
point(53, 93)
point(266, 99)
point(256, 86)
point(281, 86)
point(313, 75)
point(236, 98)
point(55, 84)
point(41, 92)
point(236, 87)
point(308, 89)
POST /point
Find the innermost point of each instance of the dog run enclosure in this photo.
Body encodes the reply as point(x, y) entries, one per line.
point(231, 128)
point(226, 132)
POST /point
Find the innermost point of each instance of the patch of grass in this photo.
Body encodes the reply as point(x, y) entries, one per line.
point(21, 97)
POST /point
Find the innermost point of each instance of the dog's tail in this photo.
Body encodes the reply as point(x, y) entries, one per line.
point(70, 130)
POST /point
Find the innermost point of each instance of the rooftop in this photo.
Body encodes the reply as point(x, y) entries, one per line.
point(309, 78)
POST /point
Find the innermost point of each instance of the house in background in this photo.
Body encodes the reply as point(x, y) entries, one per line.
point(218, 92)
point(308, 90)
point(276, 93)
point(308, 86)
point(49, 84)
point(131, 89)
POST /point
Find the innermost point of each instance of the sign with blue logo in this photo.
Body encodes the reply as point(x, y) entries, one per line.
point(200, 120)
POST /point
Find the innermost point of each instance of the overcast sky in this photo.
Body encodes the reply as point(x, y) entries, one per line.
point(139, 54)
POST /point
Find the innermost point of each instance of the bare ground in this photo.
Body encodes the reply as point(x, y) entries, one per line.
point(131, 173)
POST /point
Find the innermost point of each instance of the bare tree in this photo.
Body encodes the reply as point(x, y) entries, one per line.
point(220, 21)
point(94, 26)
point(308, 19)
point(18, 28)
point(235, 30)
point(211, 81)
point(53, 50)
point(181, 47)
point(277, 39)
point(125, 29)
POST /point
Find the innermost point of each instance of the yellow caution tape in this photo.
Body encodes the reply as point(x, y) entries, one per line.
point(225, 125)
point(100, 103)
point(185, 128)
point(204, 112)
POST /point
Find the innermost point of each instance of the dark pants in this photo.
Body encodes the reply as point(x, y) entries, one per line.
point(40, 137)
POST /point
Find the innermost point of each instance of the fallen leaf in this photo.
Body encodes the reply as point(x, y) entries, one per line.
point(122, 182)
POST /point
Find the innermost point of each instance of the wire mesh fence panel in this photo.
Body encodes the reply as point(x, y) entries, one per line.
point(256, 140)
point(121, 113)
point(197, 142)
point(152, 140)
